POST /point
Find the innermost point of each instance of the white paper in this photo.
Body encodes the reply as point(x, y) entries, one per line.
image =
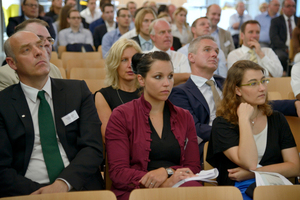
point(270, 178)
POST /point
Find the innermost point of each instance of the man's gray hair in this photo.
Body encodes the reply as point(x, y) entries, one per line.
point(151, 29)
point(194, 45)
point(8, 50)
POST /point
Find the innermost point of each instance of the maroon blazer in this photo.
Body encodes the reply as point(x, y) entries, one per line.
point(128, 138)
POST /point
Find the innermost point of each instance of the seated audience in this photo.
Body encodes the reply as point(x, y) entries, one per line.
point(235, 22)
point(247, 134)
point(8, 76)
point(54, 9)
point(30, 10)
point(50, 132)
point(162, 39)
point(41, 11)
point(62, 22)
point(109, 24)
point(222, 37)
point(122, 83)
point(251, 50)
point(295, 80)
point(142, 22)
point(131, 5)
point(180, 28)
point(146, 139)
point(75, 34)
point(91, 13)
point(99, 21)
point(281, 31)
point(200, 97)
point(123, 19)
point(264, 20)
point(163, 9)
point(200, 27)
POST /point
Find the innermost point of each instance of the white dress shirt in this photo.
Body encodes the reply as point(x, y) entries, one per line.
point(295, 78)
point(130, 34)
point(207, 93)
point(37, 170)
point(87, 15)
point(180, 61)
point(110, 28)
point(235, 18)
point(269, 62)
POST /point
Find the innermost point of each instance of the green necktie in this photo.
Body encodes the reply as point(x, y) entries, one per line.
point(49, 143)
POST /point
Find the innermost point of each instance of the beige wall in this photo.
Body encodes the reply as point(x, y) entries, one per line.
point(139, 3)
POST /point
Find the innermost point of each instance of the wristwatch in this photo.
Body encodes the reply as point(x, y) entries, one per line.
point(169, 171)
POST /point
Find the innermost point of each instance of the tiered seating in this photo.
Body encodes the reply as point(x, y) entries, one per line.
point(277, 192)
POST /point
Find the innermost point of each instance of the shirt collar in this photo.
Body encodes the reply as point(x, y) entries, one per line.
point(286, 17)
point(245, 49)
point(31, 92)
point(142, 40)
point(156, 49)
point(200, 81)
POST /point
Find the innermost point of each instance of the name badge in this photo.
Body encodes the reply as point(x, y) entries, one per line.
point(227, 43)
point(69, 118)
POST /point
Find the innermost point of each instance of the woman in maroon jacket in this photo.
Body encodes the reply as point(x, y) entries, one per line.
point(150, 142)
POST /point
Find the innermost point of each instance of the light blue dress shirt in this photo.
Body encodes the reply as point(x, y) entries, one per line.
point(264, 20)
point(144, 45)
point(109, 39)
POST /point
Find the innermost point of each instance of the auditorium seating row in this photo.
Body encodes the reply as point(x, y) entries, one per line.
point(276, 192)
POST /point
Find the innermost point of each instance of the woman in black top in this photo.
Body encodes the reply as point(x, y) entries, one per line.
point(247, 134)
point(121, 81)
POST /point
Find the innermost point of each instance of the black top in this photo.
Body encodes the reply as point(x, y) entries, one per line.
point(53, 15)
point(165, 151)
point(114, 97)
point(225, 135)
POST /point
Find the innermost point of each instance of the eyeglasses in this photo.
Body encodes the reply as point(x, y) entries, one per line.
point(50, 39)
point(75, 17)
point(32, 5)
point(290, 6)
point(123, 16)
point(256, 83)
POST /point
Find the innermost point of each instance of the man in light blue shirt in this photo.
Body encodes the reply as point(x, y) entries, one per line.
point(123, 19)
point(264, 20)
point(201, 27)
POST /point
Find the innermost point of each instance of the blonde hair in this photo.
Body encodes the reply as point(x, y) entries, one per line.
point(178, 10)
point(113, 60)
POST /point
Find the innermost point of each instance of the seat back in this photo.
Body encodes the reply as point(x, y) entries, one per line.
point(87, 73)
point(90, 195)
point(94, 84)
point(63, 72)
point(57, 62)
point(190, 193)
point(274, 96)
point(99, 63)
point(281, 85)
point(294, 123)
point(277, 192)
point(78, 56)
point(206, 165)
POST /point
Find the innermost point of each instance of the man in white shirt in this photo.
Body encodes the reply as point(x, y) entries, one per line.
point(91, 13)
point(251, 50)
point(222, 37)
point(50, 131)
point(200, 27)
point(281, 31)
point(161, 36)
point(75, 34)
point(235, 22)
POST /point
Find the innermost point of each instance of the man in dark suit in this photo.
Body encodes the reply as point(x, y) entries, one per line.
point(197, 96)
point(71, 115)
point(30, 10)
point(281, 31)
point(109, 24)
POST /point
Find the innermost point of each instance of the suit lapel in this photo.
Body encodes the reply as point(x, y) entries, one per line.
point(20, 104)
point(193, 89)
point(59, 106)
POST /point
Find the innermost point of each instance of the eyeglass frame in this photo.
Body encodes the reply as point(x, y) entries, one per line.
point(50, 39)
point(31, 5)
point(264, 81)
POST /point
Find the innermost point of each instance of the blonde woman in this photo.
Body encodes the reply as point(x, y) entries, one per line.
point(121, 81)
point(180, 28)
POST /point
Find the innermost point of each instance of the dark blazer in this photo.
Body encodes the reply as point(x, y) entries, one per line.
point(96, 23)
point(99, 32)
point(14, 21)
point(81, 139)
point(176, 42)
point(189, 97)
point(278, 32)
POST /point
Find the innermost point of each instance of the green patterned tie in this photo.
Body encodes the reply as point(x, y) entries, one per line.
point(48, 138)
